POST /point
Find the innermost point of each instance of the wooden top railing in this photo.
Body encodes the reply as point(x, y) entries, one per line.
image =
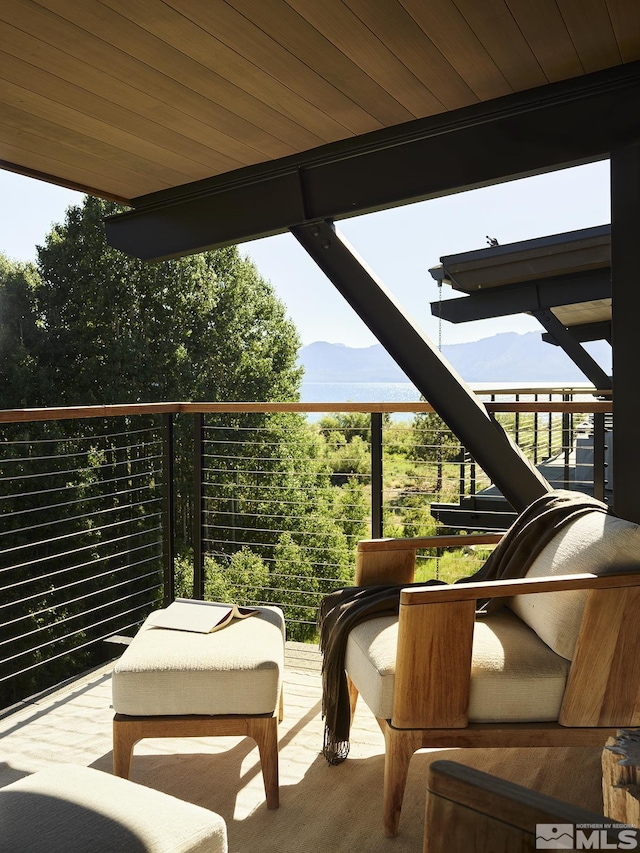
point(77, 412)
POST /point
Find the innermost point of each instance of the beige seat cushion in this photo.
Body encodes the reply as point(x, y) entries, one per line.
point(236, 670)
point(594, 543)
point(67, 809)
point(515, 677)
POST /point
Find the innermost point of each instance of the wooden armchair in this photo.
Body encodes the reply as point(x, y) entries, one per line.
point(557, 666)
point(471, 810)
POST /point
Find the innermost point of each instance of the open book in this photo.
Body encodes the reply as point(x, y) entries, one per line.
point(203, 617)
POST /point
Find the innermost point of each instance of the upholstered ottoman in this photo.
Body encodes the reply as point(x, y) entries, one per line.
point(172, 683)
point(67, 809)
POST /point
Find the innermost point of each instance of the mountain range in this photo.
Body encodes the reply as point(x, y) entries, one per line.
point(505, 357)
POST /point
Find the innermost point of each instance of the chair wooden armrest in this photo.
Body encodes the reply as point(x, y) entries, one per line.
point(471, 810)
point(444, 593)
point(381, 561)
point(435, 638)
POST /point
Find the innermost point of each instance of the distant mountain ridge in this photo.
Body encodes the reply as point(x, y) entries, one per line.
point(505, 357)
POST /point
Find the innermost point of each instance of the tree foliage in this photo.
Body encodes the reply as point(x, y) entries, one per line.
point(19, 334)
point(433, 440)
point(117, 330)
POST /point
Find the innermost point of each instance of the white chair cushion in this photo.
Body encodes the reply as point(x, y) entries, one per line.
point(594, 543)
point(68, 809)
point(515, 677)
point(236, 670)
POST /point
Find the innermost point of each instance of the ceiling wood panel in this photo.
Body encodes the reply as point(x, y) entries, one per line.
point(151, 94)
point(391, 23)
point(285, 26)
point(92, 154)
point(45, 167)
point(49, 59)
point(495, 27)
point(244, 115)
point(591, 31)
point(82, 46)
point(459, 45)
point(625, 19)
point(280, 75)
point(40, 107)
point(346, 31)
point(62, 103)
point(544, 28)
point(268, 127)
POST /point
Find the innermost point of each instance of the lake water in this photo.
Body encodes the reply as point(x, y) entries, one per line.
point(359, 392)
point(392, 392)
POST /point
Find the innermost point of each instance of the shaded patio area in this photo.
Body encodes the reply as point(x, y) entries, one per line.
point(322, 808)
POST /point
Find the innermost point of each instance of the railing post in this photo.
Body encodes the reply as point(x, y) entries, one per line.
point(598, 456)
point(168, 508)
point(198, 506)
point(566, 442)
point(535, 433)
point(376, 476)
point(461, 474)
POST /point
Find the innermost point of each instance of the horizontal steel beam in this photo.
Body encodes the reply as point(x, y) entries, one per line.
point(560, 124)
point(524, 298)
point(414, 353)
point(463, 518)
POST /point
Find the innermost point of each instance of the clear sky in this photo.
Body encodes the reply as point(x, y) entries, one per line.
point(400, 245)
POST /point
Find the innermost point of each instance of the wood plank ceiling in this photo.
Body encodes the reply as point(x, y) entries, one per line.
point(122, 98)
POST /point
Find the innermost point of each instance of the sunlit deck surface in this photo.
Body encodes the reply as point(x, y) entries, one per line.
point(322, 808)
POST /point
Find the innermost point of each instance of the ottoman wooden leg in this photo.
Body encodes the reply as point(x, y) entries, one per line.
point(126, 734)
point(264, 730)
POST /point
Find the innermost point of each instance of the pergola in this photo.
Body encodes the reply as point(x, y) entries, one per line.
point(220, 121)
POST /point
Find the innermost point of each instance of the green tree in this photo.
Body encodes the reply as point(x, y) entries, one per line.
point(19, 333)
point(350, 425)
point(434, 443)
point(350, 510)
point(206, 327)
point(242, 580)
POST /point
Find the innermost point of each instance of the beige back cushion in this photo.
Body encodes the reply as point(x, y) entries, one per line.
point(595, 543)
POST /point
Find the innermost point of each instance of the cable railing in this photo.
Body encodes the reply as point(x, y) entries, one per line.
point(81, 522)
point(107, 512)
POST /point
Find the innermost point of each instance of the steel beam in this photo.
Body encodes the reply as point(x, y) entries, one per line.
point(560, 124)
point(523, 298)
point(625, 275)
point(576, 352)
point(436, 380)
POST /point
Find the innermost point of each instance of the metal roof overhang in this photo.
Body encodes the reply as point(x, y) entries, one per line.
point(568, 273)
point(542, 129)
point(564, 280)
